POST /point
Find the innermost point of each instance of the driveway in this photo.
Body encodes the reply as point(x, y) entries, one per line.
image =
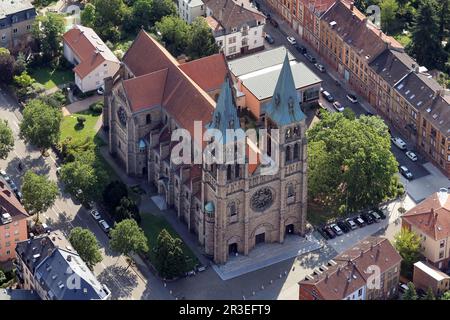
point(81, 105)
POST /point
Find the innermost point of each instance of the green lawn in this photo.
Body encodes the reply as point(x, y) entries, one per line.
point(50, 78)
point(404, 39)
point(152, 225)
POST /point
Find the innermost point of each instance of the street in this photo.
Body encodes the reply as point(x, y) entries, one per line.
point(134, 283)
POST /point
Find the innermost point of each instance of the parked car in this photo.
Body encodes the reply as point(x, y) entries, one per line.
point(380, 213)
point(352, 98)
point(201, 268)
point(338, 106)
point(327, 96)
point(399, 143)
point(411, 155)
point(351, 224)
point(13, 186)
point(323, 233)
point(310, 58)
point(291, 40)
point(336, 229)
point(359, 221)
point(95, 214)
point(104, 225)
point(19, 195)
point(405, 172)
point(331, 234)
point(101, 90)
point(320, 67)
point(374, 215)
point(58, 171)
point(273, 22)
point(301, 49)
point(269, 38)
point(5, 176)
point(344, 227)
point(320, 109)
point(370, 114)
point(402, 287)
point(367, 218)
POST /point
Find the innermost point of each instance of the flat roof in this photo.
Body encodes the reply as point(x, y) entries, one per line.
point(432, 272)
point(258, 61)
point(262, 83)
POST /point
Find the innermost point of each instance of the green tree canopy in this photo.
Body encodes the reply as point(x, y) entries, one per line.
point(350, 161)
point(48, 31)
point(39, 193)
point(109, 18)
point(446, 295)
point(170, 260)
point(2, 277)
point(128, 238)
point(429, 295)
point(410, 293)
point(86, 244)
point(174, 33)
point(87, 16)
point(127, 209)
point(113, 193)
point(201, 42)
point(6, 139)
point(6, 65)
point(408, 245)
point(389, 8)
point(426, 45)
point(163, 8)
point(40, 125)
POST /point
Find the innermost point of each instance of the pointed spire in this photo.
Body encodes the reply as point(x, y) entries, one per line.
point(284, 108)
point(225, 115)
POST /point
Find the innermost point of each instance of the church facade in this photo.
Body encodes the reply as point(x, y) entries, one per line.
point(231, 207)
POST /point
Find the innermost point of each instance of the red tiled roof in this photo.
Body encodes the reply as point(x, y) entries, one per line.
point(213, 23)
point(81, 41)
point(145, 91)
point(182, 98)
point(431, 216)
point(234, 13)
point(10, 204)
point(208, 72)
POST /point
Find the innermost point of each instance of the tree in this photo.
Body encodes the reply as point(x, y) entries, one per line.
point(201, 40)
point(444, 18)
point(20, 64)
point(350, 163)
point(408, 245)
point(6, 65)
point(174, 33)
point(83, 174)
point(113, 193)
point(2, 277)
point(39, 193)
point(127, 209)
point(426, 46)
point(109, 16)
point(40, 125)
point(128, 238)
point(142, 15)
point(429, 295)
point(389, 9)
point(87, 16)
point(86, 244)
point(349, 114)
point(25, 84)
point(169, 256)
point(410, 293)
point(48, 31)
point(6, 139)
point(446, 295)
point(162, 8)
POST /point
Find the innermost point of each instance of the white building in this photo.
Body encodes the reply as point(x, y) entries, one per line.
point(191, 9)
point(237, 26)
point(93, 60)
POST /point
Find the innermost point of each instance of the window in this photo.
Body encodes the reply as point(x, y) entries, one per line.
point(148, 119)
point(28, 27)
point(359, 292)
point(232, 40)
point(15, 30)
point(288, 153)
point(297, 151)
point(290, 192)
point(442, 244)
point(229, 172)
point(232, 50)
point(3, 37)
point(233, 210)
point(236, 171)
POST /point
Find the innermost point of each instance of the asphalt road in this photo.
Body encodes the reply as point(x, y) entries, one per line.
point(134, 283)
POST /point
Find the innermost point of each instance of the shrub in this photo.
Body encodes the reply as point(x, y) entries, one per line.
point(80, 121)
point(96, 108)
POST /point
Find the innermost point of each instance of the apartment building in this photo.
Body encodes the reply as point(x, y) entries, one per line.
point(48, 265)
point(13, 223)
point(428, 277)
point(430, 220)
point(237, 26)
point(188, 10)
point(16, 19)
point(370, 270)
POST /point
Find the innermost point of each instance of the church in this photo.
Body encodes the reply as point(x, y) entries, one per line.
point(230, 208)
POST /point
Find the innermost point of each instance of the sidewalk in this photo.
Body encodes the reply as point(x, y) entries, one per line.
point(80, 105)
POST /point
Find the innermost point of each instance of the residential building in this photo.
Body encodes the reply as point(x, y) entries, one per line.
point(231, 208)
point(16, 19)
point(13, 223)
point(48, 265)
point(191, 9)
point(370, 270)
point(430, 220)
point(18, 294)
point(256, 76)
point(237, 26)
point(428, 277)
point(93, 60)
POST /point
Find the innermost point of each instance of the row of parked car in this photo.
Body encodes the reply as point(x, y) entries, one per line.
point(333, 230)
point(12, 185)
point(102, 223)
point(404, 171)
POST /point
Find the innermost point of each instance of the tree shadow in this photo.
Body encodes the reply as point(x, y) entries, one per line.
point(119, 280)
point(78, 126)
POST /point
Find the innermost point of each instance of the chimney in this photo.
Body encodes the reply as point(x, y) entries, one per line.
point(69, 258)
point(352, 5)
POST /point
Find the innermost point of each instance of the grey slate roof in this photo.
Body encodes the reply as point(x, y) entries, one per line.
point(284, 109)
point(262, 85)
point(8, 7)
point(258, 61)
point(392, 65)
point(18, 294)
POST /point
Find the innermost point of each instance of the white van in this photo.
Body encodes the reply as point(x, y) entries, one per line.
point(399, 143)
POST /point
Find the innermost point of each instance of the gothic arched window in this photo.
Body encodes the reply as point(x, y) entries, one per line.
point(290, 191)
point(296, 151)
point(148, 119)
point(236, 171)
point(288, 153)
point(228, 172)
point(232, 209)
